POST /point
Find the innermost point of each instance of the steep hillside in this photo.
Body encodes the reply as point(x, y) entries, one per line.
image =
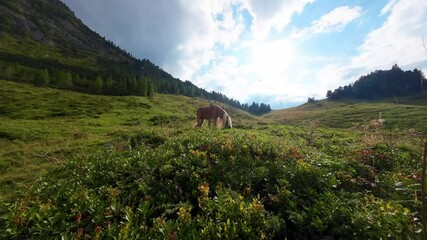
point(46, 34)
point(411, 112)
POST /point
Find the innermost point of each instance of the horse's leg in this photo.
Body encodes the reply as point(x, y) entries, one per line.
point(200, 122)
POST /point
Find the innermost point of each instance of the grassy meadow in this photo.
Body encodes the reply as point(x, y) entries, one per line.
point(410, 112)
point(41, 127)
point(82, 166)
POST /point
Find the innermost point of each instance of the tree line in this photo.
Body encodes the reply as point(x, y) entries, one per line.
point(382, 84)
point(151, 80)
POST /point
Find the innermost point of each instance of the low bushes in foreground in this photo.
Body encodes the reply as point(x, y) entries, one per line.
point(215, 185)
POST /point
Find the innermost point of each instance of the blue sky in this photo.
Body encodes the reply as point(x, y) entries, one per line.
point(271, 51)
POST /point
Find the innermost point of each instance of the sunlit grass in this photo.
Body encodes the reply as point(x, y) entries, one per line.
point(409, 113)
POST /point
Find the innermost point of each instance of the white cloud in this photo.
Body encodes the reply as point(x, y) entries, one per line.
point(204, 29)
point(334, 21)
point(230, 77)
point(272, 60)
point(229, 26)
point(269, 14)
point(273, 71)
point(330, 77)
point(398, 40)
point(388, 7)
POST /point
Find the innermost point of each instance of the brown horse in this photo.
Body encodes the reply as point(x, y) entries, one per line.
point(213, 113)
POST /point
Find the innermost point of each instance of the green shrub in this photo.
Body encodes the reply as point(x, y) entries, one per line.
point(208, 184)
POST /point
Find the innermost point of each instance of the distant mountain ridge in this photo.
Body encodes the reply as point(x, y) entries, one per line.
point(44, 43)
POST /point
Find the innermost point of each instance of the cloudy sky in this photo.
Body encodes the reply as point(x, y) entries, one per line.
point(278, 52)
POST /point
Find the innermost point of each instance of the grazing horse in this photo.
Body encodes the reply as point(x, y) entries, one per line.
point(213, 113)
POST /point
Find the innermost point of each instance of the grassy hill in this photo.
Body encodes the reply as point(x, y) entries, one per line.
point(42, 127)
point(411, 112)
point(77, 165)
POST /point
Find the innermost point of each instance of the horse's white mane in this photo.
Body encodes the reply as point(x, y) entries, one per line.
point(227, 120)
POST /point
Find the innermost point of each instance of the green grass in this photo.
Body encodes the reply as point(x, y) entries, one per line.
point(411, 112)
point(41, 128)
point(77, 165)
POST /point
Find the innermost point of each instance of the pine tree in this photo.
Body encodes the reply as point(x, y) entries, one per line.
point(132, 86)
point(65, 79)
point(108, 86)
point(142, 87)
point(254, 108)
point(150, 88)
point(77, 81)
point(42, 78)
point(145, 87)
point(96, 86)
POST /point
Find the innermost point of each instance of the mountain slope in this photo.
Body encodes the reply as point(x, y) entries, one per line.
point(45, 34)
point(47, 31)
point(44, 43)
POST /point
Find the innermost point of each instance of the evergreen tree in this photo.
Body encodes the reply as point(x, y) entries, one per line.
point(379, 84)
point(42, 78)
point(108, 86)
point(254, 108)
point(65, 80)
point(77, 81)
point(150, 88)
point(132, 86)
point(96, 86)
point(144, 87)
